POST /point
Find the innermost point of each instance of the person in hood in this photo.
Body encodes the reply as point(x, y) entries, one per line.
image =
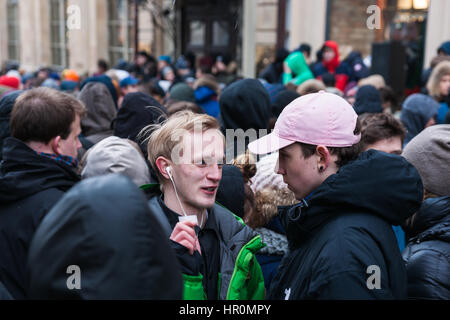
point(368, 100)
point(354, 66)
point(116, 155)
point(38, 167)
point(245, 105)
point(120, 252)
point(138, 111)
point(330, 63)
point(107, 82)
point(231, 193)
point(427, 255)
point(206, 92)
point(101, 111)
point(214, 247)
point(383, 132)
point(273, 72)
point(296, 69)
point(340, 238)
point(418, 112)
point(6, 106)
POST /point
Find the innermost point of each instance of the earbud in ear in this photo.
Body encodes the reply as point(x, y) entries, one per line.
point(169, 171)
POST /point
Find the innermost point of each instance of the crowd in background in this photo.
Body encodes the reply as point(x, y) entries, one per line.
point(122, 100)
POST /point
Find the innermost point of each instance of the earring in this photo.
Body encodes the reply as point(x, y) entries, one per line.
point(320, 169)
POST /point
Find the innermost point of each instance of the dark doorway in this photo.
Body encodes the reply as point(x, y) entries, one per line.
point(211, 27)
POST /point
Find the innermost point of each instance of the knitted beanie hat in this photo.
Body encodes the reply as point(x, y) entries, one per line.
point(429, 152)
point(265, 174)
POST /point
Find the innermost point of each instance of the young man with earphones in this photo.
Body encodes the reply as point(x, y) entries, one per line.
point(215, 248)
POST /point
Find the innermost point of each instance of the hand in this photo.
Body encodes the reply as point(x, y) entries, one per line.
point(184, 234)
point(286, 68)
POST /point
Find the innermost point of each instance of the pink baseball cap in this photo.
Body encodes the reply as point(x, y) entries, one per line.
point(318, 118)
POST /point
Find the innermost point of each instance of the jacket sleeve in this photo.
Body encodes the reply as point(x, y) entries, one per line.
point(190, 267)
point(428, 271)
point(287, 77)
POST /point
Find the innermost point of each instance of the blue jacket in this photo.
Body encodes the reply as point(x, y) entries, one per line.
point(207, 99)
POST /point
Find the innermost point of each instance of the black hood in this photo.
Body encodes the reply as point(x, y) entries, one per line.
point(376, 183)
point(23, 172)
point(138, 110)
point(6, 105)
point(231, 192)
point(368, 100)
point(432, 221)
point(103, 226)
point(245, 104)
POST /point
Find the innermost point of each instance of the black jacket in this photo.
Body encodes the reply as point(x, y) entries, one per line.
point(6, 105)
point(104, 227)
point(427, 254)
point(344, 228)
point(30, 185)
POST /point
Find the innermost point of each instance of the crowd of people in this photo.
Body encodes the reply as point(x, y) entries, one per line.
point(129, 176)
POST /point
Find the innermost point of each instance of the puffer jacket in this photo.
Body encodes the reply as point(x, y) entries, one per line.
point(341, 238)
point(240, 275)
point(427, 255)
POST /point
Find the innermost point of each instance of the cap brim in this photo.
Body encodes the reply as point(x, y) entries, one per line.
point(268, 144)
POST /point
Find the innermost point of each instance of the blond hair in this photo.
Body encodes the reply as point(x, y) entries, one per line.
point(375, 80)
point(163, 137)
point(439, 71)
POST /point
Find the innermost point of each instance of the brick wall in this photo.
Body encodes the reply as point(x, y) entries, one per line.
point(347, 25)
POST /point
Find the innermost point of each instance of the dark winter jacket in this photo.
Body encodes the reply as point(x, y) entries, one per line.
point(354, 66)
point(104, 227)
point(427, 254)
point(207, 99)
point(240, 276)
point(30, 185)
point(341, 240)
point(6, 105)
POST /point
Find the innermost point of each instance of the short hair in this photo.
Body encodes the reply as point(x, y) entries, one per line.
point(442, 69)
point(344, 154)
point(310, 86)
point(380, 126)
point(160, 139)
point(42, 114)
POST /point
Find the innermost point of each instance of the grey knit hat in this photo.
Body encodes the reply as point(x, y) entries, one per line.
point(429, 152)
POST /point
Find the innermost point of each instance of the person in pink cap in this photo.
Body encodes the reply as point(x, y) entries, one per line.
point(340, 238)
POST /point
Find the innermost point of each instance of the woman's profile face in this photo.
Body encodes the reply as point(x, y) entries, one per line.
point(444, 85)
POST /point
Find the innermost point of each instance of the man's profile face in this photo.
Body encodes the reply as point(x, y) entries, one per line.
point(197, 173)
point(299, 173)
point(70, 145)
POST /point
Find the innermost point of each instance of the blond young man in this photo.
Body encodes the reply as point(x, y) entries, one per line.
point(214, 247)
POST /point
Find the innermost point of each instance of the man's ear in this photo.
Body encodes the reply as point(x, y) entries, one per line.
point(162, 164)
point(55, 145)
point(324, 157)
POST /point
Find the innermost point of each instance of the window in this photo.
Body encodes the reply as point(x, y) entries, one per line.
point(58, 33)
point(13, 30)
point(121, 30)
